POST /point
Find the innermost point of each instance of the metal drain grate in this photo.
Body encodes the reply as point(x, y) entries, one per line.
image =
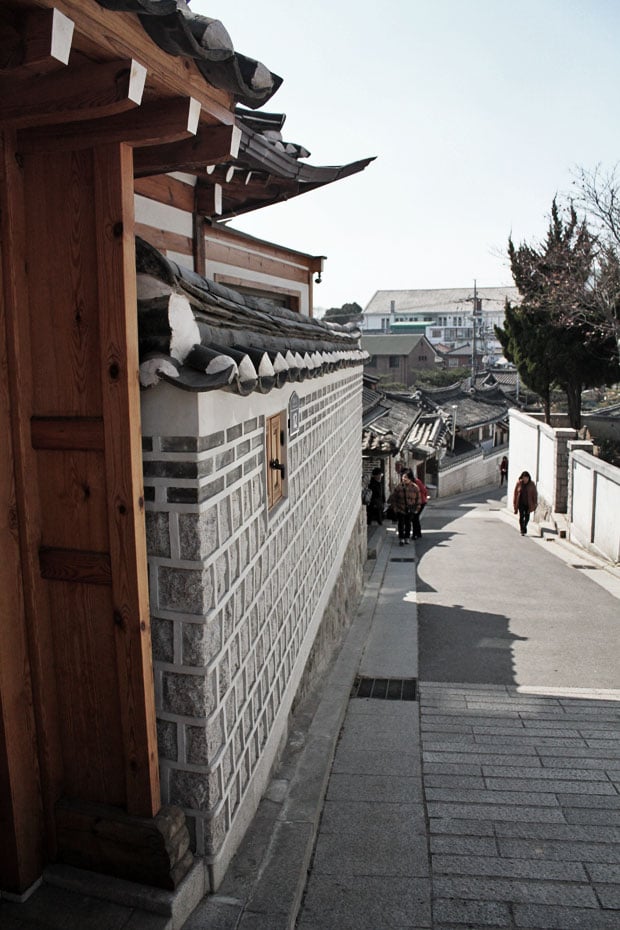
point(396, 559)
point(385, 689)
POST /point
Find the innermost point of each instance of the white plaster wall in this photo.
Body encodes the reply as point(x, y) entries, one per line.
point(268, 280)
point(163, 216)
point(474, 473)
point(523, 455)
point(595, 505)
point(237, 592)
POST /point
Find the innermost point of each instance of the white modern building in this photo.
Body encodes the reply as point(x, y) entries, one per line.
point(444, 315)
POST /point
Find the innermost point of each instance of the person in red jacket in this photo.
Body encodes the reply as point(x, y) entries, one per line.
point(525, 499)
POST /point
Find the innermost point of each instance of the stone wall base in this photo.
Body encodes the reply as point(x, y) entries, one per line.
point(150, 850)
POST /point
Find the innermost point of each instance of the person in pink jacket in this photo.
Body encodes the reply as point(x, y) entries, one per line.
point(524, 499)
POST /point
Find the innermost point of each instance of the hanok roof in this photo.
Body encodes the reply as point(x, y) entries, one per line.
point(452, 299)
point(402, 344)
point(475, 407)
point(179, 31)
point(203, 336)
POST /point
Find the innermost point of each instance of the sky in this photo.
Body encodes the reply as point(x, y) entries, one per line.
point(479, 112)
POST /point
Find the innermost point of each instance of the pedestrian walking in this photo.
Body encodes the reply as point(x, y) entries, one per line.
point(525, 499)
point(374, 507)
point(405, 501)
point(416, 529)
point(503, 470)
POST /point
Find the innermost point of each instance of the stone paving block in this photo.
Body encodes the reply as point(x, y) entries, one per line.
point(451, 768)
point(496, 812)
point(464, 845)
point(388, 850)
point(601, 765)
point(353, 787)
point(492, 889)
point(366, 903)
point(344, 817)
point(500, 867)
point(531, 732)
point(472, 913)
point(609, 896)
point(557, 831)
point(559, 850)
point(604, 873)
point(553, 785)
point(507, 756)
point(540, 772)
point(564, 918)
point(589, 815)
point(371, 762)
point(372, 737)
point(459, 827)
point(454, 782)
point(518, 798)
point(609, 801)
point(579, 752)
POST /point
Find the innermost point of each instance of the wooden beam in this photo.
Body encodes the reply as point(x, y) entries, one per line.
point(209, 199)
point(118, 328)
point(75, 565)
point(164, 189)
point(42, 45)
point(120, 35)
point(64, 433)
point(151, 124)
point(212, 144)
point(96, 90)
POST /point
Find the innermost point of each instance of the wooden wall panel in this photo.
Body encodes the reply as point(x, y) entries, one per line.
point(85, 661)
point(27, 682)
point(242, 258)
point(63, 294)
point(73, 500)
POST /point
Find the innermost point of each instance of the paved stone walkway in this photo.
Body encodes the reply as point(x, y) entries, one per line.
point(491, 801)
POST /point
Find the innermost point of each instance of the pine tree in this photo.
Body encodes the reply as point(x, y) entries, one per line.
point(555, 282)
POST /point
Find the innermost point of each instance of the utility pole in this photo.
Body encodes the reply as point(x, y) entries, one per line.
point(473, 340)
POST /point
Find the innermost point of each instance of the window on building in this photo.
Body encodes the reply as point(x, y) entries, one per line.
point(394, 361)
point(372, 361)
point(276, 458)
point(436, 333)
point(421, 358)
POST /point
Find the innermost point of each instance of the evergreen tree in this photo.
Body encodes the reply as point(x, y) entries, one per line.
point(555, 282)
point(348, 313)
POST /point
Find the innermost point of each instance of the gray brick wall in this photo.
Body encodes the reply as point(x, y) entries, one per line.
point(237, 593)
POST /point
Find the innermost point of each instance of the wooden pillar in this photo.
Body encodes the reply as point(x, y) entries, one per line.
point(21, 809)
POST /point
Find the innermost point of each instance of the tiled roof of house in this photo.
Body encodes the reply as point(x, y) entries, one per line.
point(401, 344)
point(475, 407)
point(201, 336)
point(265, 169)
point(179, 31)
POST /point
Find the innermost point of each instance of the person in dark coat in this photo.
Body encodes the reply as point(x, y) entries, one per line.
point(525, 499)
point(503, 470)
point(374, 509)
point(405, 501)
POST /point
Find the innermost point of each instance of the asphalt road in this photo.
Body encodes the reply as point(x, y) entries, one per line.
point(498, 608)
